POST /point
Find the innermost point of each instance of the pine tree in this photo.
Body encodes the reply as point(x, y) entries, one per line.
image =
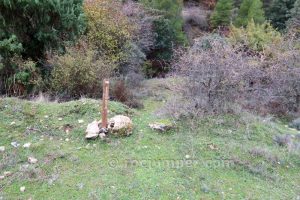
point(250, 9)
point(279, 12)
point(40, 25)
point(222, 13)
point(294, 21)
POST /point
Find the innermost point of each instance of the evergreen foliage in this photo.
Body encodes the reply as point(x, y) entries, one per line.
point(222, 13)
point(39, 25)
point(250, 9)
point(279, 13)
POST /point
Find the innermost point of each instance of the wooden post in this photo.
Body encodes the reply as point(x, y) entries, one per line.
point(105, 99)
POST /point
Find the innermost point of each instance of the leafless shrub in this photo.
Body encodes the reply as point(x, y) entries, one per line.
point(143, 19)
point(121, 92)
point(214, 75)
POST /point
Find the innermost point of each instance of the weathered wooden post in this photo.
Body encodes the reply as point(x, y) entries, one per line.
point(105, 99)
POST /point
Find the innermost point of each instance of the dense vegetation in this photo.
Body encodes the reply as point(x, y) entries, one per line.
point(223, 74)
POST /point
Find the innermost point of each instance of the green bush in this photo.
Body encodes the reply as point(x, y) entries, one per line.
point(279, 12)
point(40, 25)
point(250, 9)
point(168, 27)
point(26, 77)
point(258, 37)
point(109, 30)
point(222, 13)
point(79, 72)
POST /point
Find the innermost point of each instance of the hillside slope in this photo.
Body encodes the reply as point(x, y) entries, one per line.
point(225, 157)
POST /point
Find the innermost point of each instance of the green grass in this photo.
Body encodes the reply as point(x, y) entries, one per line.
point(210, 162)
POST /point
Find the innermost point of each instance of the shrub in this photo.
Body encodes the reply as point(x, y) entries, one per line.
point(213, 76)
point(79, 72)
point(279, 12)
point(258, 37)
point(168, 28)
point(123, 92)
point(250, 10)
point(108, 28)
point(40, 25)
point(24, 78)
point(222, 13)
point(294, 22)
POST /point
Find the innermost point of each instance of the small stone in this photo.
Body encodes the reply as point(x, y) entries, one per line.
point(12, 123)
point(67, 139)
point(2, 177)
point(46, 116)
point(15, 144)
point(60, 119)
point(7, 173)
point(80, 121)
point(92, 130)
point(161, 127)
point(187, 156)
point(27, 145)
point(22, 189)
point(32, 160)
point(102, 136)
point(2, 148)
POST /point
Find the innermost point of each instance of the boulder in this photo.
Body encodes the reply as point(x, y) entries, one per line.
point(120, 126)
point(92, 130)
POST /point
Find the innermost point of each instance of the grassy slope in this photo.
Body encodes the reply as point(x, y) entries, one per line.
point(146, 165)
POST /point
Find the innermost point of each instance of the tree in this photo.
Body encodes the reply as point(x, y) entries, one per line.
point(40, 25)
point(250, 9)
point(279, 12)
point(222, 13)
point(294, 21)
point(169, 26)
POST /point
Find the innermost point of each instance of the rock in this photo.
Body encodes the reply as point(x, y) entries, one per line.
point(92, 130)
point(2, 177)
point(120, 126)
point(102, 136)
point(27, 145)
point(80, 121)
point(161, 126)
point(295, 124)
point(15, 144)
point(7, 173)
point(2, 148)
point(32, 160)
point(22, 189)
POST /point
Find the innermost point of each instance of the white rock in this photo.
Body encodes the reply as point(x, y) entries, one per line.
point(187, 156)
point(102, 136)
point(46, 116)
point(22, 189)
point(27, 145)
point(80, 121)
point(32, 160)
point(60, 119)
point(161, 127)
point(2, 148)
point(67, 139)
point(15, 144)
point(7, 173)
point(12, 123)
point(92, 130)
point(2, 177)
point(120, 125)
